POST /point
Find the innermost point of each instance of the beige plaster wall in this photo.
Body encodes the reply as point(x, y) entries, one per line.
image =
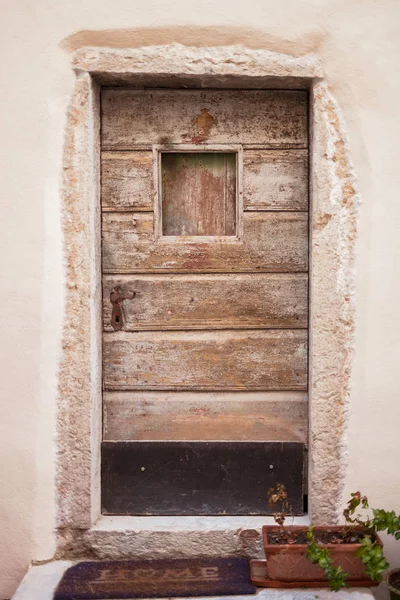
point(358, 43)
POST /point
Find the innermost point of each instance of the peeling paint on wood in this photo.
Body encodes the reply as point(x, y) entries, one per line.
point(257, 416)
point(267, 118)
point(272, 242)
point(204, 123)
point(206, 360)
point(127, 180)
point(210, 301)
point(275, 179)
point(198, 193)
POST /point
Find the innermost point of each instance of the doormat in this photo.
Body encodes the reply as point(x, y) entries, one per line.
point(106, 580)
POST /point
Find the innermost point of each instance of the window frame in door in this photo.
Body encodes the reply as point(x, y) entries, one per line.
point(158, 150)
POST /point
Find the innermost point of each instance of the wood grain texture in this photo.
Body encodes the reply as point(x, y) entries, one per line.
point(272, 242)
point(127, 180)
point(199, 478)
point(275, 179)
point(206, 360)
point(267, 118)
point(259, 300)
point(198, 193)
point(254, 416)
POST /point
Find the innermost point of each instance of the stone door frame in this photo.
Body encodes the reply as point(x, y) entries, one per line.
point(333, 220)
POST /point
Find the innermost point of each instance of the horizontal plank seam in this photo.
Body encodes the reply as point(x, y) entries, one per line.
point(199, 274)
point(133, 388)
point(230, 400)
point(203, 441)
point(161, 330)
point(195, 389)
point(127, 210)
point(209, 329)
point(195, 272)
point(146, 147)
point(273, 210)
point(222, 329)
point(135, 210)
point(162, 401)
point(132, 88)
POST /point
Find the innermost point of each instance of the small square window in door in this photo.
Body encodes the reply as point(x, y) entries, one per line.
point(198, 191)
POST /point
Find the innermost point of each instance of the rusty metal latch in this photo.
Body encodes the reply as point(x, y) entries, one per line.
point(117, 315)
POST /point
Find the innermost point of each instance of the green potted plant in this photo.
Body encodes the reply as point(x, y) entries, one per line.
point(351, 554)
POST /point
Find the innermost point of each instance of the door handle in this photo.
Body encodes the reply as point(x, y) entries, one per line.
point(117, 314)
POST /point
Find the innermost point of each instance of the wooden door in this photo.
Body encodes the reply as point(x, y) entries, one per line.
point(205, 299)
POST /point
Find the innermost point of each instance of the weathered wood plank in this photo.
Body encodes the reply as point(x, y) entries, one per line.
point(254, 416)
point(266, 118)
point(275, 179)
point(272, 242)
point(198, 193)
point(206, 360)
point(127, 180)
point(199, 478)
point(261, 300)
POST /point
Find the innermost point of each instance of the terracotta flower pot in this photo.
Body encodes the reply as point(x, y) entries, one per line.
point(393, 583)
point(288, 562)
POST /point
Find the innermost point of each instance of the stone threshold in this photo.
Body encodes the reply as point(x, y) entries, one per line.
point(121, 537)
point(41, 581)
point(180, 523)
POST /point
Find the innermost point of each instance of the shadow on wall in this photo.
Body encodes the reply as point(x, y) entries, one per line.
point(194, 36)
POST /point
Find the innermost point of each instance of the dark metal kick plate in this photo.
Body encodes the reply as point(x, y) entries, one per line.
point(199, 478)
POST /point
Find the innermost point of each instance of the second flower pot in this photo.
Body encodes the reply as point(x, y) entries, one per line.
point(393, 583)
point(287, 562)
